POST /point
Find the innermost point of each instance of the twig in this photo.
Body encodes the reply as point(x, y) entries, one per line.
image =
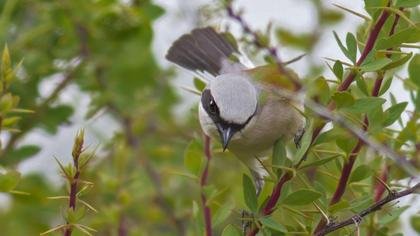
point(372, 38)
point(122, 228)
point(258, 42)
point(333, 226)
point(77, 150)
point(348, 166)
point(203, 183)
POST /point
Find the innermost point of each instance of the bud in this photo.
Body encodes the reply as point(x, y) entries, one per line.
point(78, 144)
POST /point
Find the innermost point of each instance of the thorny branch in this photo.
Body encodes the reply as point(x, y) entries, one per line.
point(326, 113)
point(348, 166)
point(77, 151)
point(355, 219)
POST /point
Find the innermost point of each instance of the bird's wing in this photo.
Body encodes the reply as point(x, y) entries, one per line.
point(203, 50)
point(270, 75)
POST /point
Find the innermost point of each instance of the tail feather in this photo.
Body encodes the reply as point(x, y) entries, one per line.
point(202, 50)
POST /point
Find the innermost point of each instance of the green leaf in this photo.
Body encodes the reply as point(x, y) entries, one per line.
point(361, 84)
point(366, 104)
point(22, 153)
point(385, 85)
point(249, 191)
point(279, 156)
point(320, 90)
point(399, 61)
point(409, 35)
point(360, 173)
point(193, 157)
point(272, 224)
point(199, 84)
point(305, 142)
point(338, 70)
point(319, 162)
point(351, 47)
point(231, 230)
point(376, 119)
point(343, 49)
point(6, 68)
point(394, 113)
point(415, 223)
point(343, 204)
point(345, 143)
point(414, 70)
point(297, 40)
point(375, 65)
point(152, 11)
point(222, 213)
point(407, 3)
point(55, 116)
point(392, 215)
point(9, 180)
point(343, 99)
point(302, 197)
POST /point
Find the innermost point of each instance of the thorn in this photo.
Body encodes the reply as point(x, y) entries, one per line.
point(322, 213)
point(390, 191)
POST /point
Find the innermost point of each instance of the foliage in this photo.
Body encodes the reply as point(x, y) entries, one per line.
point(151, 177)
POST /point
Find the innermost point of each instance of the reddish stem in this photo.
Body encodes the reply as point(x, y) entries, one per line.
point(348, 166)
point(203, 182)
point(380, 188)
point(271, 204)
point(73, 195)
point(373, 36)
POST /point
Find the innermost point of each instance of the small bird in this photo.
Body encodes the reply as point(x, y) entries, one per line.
point(238, 106)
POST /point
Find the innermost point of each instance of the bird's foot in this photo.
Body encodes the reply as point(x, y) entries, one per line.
point(247, 221)
point(298, 137)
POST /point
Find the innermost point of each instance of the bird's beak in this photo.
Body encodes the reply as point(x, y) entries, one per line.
point(226, 134)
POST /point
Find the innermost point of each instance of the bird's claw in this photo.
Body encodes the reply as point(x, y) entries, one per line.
point(298, 137)
point(247, 219)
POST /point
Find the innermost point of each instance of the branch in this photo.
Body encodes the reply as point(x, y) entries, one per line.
point(259, 43)
point(203, 182)
point(77, 151)
point(348, 165)
point(325, 113)
point(372, 38)
point(355, 219)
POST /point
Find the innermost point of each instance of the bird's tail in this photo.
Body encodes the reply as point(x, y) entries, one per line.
point(202, 50)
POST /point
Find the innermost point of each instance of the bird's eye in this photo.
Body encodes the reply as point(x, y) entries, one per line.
point(212, 107)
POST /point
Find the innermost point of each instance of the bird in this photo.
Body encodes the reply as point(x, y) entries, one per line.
point(239, 105)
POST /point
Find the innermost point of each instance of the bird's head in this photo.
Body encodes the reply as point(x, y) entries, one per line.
point(229, 102)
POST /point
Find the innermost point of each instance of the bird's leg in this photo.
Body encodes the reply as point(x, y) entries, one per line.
point(298, 137)
point(247, 218)
point(258, 180)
